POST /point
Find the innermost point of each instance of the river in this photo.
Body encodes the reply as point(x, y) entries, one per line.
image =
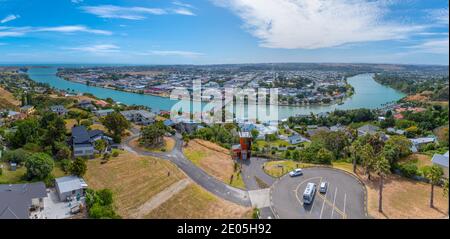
point(368, 94)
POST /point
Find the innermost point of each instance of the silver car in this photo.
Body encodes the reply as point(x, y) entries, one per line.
point(323, 187)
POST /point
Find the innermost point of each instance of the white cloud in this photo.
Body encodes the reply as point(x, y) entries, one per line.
point(76, 1)
point(9, 18)
point(312, 24)
point(435, 46)
point(188, 54)
point(130, 13)
point(20, 31)
point(71, 29)
point(440, 16)
point(97, 49)
point(182, 4)
point(183, 11)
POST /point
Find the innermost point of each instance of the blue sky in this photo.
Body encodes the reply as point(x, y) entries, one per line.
point(224, 31)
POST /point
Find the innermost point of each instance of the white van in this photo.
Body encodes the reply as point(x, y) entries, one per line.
point(310, 191)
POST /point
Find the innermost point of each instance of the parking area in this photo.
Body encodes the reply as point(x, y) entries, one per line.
point(344, 198)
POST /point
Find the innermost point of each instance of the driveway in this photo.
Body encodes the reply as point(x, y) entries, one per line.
point(344, 199)
point(252, 170)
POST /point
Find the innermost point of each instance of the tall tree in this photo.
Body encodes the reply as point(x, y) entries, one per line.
point(39, 166)
point(434, 174)
point(381, 168)
point(116, 123)
point(367, 155)
point(78, 167)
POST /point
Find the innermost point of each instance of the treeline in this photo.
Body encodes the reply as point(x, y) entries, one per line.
point(343, 117)
point(409, 85)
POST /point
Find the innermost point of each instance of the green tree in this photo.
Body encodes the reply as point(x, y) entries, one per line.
point(18, 156)
point(116, 123)
point(78, 167)
point(100, 145)
point(153, 135)
point(445, 191)
point(324, 156)
point(39, 166)
point(396, 147)
point(27, 132)
point(434, 175)
point(53, 130)
point(255, 133)
point(381, 168)
point(367, 156)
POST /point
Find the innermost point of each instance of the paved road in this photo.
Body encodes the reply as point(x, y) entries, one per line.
point(199, 176)
point(344, 199)
point(253, 169)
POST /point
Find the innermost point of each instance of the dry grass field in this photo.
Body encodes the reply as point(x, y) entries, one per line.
point(214, 160)
point(196, 203)
point(133, 179)
point(7, 100)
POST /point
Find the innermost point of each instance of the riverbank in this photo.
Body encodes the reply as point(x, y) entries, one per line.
point(368, 94)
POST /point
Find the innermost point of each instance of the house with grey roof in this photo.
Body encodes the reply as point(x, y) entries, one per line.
point(18, 201)
point(368, 129)
point(82, 141)
point(103, 113)
point(70, 187)
point(442, 161)
point(58, 109)
point(141, 117)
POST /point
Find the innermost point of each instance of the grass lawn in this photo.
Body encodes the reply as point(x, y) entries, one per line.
point(421, 160)
point(280, 168)
point(169, 144)
point(196, 203)
point(214, 160)
point(133, 179)
point(70, 123)
point(14, 177)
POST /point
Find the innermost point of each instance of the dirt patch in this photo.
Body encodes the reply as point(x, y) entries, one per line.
point(7, 100)
point(196, 203)
point(421, 160)
point(213, 159)
point(160, 198)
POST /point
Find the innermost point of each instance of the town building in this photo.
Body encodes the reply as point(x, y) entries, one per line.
point(19, 201)
point(243, 149)
point(27, 109)
point(70, 187)
point(368, 129)
point(140, 117)
point(442, 161)
point(103, 113)
point(418, 143)
point(82, 141)
point(59, 109)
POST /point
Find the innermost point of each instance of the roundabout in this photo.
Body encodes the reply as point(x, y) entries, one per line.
point(344, 199)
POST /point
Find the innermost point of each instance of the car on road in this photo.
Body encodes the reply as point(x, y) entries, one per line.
point(296, 172)
point(310, 191)
point(323, 187)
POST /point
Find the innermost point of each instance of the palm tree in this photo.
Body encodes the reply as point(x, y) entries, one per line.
point(434, 175)
point(367, 155)
point(382, 168)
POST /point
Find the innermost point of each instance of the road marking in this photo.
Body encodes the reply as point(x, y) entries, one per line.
point(345, 200)
point(298, 186)
point(334, 202)
point(323, 205)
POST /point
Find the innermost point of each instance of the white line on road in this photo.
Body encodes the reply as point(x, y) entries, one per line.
point(334, 202)
point(345, 200)
point(323, 205)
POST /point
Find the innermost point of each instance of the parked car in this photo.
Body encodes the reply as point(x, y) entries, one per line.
point(323, 187)
point(296, 172)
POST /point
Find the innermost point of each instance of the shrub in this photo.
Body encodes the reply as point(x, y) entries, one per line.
point(409, 169)
point(65, 165)
point(115, 153)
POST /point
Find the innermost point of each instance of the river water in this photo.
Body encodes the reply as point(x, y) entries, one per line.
point(368, 94)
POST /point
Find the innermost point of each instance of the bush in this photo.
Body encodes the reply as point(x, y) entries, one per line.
point(65, 165)
point(18, 156)
point(78, 167)
point(1, 171)
point(39, 166)
point(115, 153)
point(409, 170)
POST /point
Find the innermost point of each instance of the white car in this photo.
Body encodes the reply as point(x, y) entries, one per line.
point(296, 172)
point(323, 187)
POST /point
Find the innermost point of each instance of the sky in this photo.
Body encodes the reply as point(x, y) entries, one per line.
point(223, 31)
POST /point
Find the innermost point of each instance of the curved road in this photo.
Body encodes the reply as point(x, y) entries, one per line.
point(199, 176)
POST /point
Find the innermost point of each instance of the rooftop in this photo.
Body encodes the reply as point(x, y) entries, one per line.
point(70, 183)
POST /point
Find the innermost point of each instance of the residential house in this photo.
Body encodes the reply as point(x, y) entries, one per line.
point(296, 139)
point(19, 201)
point(103, 113)
point(395, 131)
point(442, 161)
point(70, 187)
point(82, 141)
point(87, 105)
point(368, 129)
point(311, 131)
point(59, 109)
point(418, 143)
point(27, 109)
point(141, 117)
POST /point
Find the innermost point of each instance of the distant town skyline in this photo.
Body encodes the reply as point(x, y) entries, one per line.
point(162, 32)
